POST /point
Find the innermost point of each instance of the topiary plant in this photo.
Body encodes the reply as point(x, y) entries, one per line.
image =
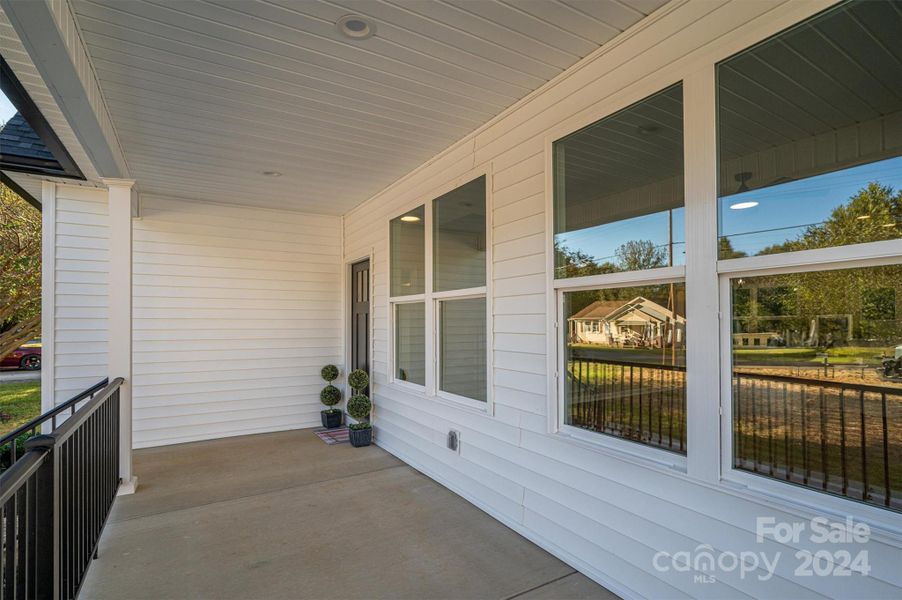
point(358, 380)
point(330, 396)
point(329, 373)
point(359, 407)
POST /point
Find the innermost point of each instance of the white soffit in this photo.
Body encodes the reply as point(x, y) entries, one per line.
point(16, 56)
point(206, 96)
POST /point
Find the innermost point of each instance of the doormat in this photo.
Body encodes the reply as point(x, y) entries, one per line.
point(339, 435)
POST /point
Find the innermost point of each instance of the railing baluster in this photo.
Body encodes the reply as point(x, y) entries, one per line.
point(787, 428)
point(865, 492)
point(886, 482)
point(842, 441)
point(806, 468)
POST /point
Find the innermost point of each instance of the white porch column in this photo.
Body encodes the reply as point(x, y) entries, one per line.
point(121, 200)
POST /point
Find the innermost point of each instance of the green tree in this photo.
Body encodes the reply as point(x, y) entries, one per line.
point(636, 255)
point(20, 271)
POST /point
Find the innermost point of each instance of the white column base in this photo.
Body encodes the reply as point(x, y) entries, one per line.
point(128, 487)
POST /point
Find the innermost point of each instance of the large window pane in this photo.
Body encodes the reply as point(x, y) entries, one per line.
point(618, 197)
point(410, 342)
point(625, 363)
point(459, 237)
point(463, 348)
point(408, 253)
point(810, 135)
point(817, 380)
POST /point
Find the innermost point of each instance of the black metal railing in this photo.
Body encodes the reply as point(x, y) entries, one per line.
point(838, 437)
point(642, 402)
point(11, 442)
point(55, 499)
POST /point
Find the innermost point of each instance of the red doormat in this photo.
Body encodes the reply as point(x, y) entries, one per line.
point(339, 435)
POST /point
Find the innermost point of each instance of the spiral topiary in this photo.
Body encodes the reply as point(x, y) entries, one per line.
point(329, 373)
point(330, 396)
point(358, 380)
point(359, 407)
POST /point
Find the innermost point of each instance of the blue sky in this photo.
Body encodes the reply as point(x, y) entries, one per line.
point(782, 213)
point(7, 110)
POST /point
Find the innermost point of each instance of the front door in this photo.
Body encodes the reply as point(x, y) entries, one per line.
point(360, 316)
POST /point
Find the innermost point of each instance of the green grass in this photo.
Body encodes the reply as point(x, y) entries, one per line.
point(21, 401)
point(810, 355)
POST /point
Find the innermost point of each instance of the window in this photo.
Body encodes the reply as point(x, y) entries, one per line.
point(618, 214)
point(410, 342)
point(810, 135)
point(440, 309)
point(462, 354)
point(618, 197)
point(459, 238)
point(626, 377)
point(810, 158)
point(408, 269)
point(817, 401)
point(459, 256)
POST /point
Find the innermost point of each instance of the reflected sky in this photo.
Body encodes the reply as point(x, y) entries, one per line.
point(601, 242)
point(784, 211)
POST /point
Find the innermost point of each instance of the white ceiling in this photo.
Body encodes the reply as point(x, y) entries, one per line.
point(205, 96)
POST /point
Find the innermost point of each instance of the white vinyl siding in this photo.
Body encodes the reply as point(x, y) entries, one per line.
point(81, 276)
point(236, 310)
point(604, 513)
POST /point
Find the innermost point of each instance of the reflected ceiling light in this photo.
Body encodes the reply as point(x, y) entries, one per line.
point(863, 217)
point(889, 225)
point(410, 218)
point(744, 205)
point(272, 173)
point(355, 27)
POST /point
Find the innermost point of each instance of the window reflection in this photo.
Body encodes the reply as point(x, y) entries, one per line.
point(618, 200)
point(817, 380)
point(810, 135)
point(625, 363)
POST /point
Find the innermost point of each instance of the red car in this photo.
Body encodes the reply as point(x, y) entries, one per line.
point(27, 356)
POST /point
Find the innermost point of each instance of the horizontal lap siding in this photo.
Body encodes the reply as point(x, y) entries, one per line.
point(605, 516)
point(235, 312)
point(81, 294)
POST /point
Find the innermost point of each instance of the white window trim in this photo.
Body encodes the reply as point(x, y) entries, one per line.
point(768, 488)
point(431, 299)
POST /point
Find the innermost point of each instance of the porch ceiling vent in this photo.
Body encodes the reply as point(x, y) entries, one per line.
point(355, 27)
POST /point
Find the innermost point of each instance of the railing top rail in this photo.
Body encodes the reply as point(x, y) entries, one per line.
point(41, 419)
point(62, 433)
point(14, 477)
point(623, 363)
point(842, 385)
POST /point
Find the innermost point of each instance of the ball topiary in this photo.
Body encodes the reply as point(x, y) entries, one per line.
point(329, 373)
point(359, 406)
point(330, 396)
point(358, 379)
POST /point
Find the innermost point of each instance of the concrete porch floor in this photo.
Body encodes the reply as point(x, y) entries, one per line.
point(283, 515)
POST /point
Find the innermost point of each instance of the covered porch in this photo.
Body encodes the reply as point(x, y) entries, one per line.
point(282, 515)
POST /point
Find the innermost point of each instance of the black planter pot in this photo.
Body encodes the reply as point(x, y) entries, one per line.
point(361, 437)
point(331, 419)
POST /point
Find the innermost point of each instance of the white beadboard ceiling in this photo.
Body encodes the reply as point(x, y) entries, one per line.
point(205, 96)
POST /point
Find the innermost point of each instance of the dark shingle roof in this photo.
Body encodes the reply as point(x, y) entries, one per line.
point(17, 138)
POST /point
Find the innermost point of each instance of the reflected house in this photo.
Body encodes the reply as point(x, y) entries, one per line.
point(636, 323)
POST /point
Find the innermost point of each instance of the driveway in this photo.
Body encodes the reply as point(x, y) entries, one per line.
point(17, 376)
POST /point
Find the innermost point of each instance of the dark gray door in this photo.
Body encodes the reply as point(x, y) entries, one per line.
point(360, 315)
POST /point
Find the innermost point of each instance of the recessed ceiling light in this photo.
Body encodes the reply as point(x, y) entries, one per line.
point(355, 27)
point(744, 205)
point(272, 173)
point(410, 218)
